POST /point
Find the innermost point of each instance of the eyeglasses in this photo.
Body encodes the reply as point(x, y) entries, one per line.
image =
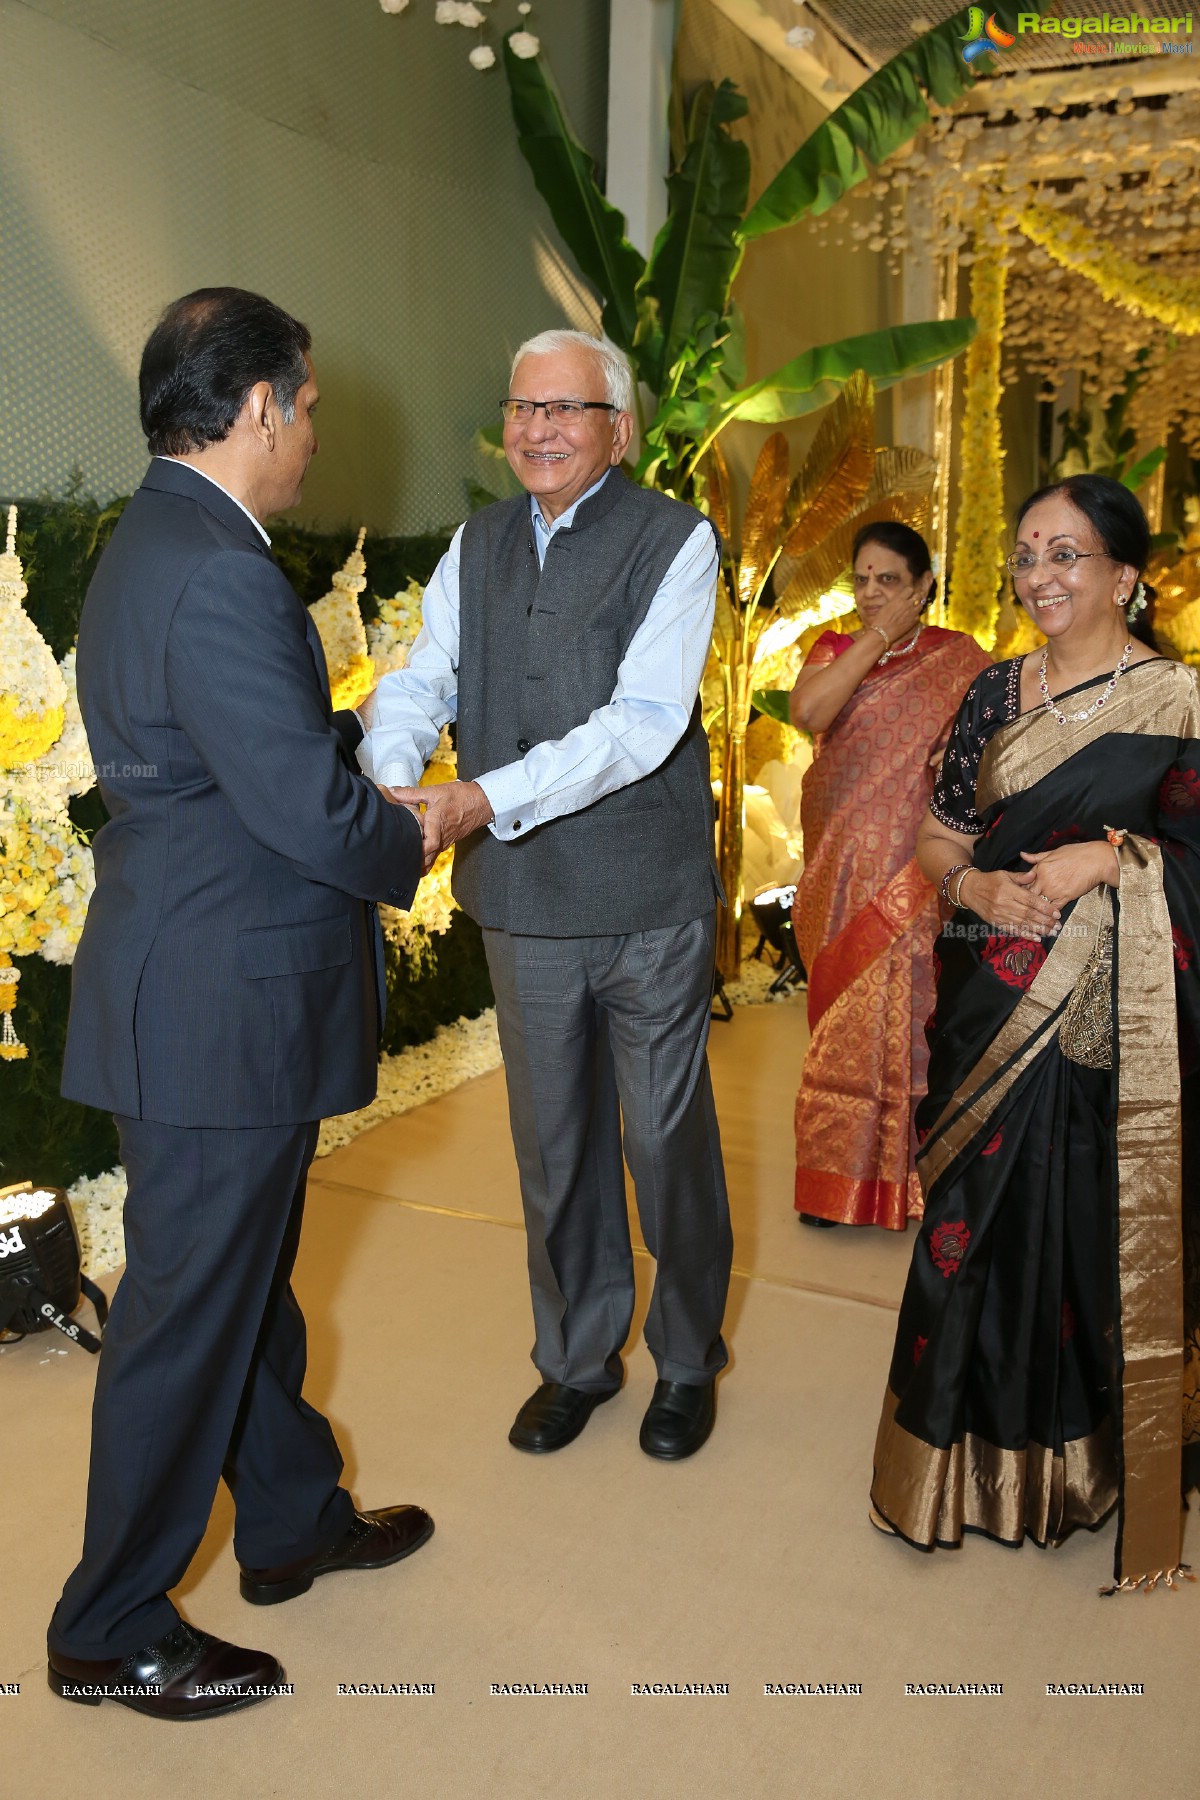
point(558, 412)
point(1023, 562)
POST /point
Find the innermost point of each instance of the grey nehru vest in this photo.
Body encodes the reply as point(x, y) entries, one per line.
point(539, 651)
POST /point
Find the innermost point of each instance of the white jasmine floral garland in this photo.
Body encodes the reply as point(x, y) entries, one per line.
point(471, 14)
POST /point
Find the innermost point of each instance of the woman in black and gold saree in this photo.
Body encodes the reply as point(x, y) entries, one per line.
point(1047, 1359)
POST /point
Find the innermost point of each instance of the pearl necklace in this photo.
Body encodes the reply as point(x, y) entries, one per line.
point(890, 655)
point(1089, 712)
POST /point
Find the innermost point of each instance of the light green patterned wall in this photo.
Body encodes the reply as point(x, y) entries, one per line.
point(349, 164)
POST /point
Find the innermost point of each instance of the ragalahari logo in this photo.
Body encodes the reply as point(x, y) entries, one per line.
point(983, 37)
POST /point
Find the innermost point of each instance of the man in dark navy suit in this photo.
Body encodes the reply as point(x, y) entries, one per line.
point(227, 995)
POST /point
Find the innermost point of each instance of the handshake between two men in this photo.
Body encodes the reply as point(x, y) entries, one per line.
point(445, 813)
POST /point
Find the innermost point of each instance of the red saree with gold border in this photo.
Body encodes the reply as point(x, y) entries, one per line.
point(1047, 1359)
point(865, 919)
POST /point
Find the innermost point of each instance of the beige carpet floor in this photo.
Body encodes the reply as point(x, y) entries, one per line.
point(750, 1564)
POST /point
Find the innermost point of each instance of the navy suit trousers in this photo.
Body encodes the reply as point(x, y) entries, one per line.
point(200, 1376)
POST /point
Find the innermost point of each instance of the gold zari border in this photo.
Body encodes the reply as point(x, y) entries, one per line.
point(1149, 1219)
point(932, 1496)
point(1162, 701)
point(1023, 1036)
point(917, 1482)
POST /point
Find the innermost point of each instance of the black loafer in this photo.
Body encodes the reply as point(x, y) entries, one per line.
point(185, 1675)
point(554, 1416)
point(374, 1540)
point(678, 1419)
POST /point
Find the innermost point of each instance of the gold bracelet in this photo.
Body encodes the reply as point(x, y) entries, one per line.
point(956, 898)
point(887, 642)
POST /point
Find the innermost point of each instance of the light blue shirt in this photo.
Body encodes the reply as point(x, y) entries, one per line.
point(657, 683)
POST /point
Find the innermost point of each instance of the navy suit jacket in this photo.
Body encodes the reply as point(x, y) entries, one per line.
point(230, 971)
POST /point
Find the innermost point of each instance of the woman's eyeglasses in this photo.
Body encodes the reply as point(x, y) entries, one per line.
point(558, 412)
point(1024, 562)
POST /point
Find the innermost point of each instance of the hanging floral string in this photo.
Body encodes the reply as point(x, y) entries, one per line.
point(1130, 284)
point(979, 540)
point(474, 17)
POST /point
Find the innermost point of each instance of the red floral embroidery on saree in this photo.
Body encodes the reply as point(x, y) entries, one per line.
point(1015, 960)
point(1180, 791)
point(1183, 948)
point(1070, 834)
point(993, 1144)
point(948, 1245)
point(919, 1349)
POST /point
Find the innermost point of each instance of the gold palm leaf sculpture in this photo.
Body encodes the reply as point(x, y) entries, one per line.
point(1176, 579)
point(792, 559)
point(782, 518)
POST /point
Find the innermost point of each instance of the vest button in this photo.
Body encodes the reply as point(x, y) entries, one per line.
point(516, 824)
point(523, 746)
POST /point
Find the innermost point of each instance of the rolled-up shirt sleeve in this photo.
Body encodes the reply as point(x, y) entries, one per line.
point(411, 704)
point(634, 733)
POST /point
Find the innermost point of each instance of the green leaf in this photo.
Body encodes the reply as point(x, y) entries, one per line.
point(1144, 468)
point(478, 496)
point(697, 252)
point(815, 378)
point(566, 178)
point(884, 112)
point(489, 440)
point(773, 702)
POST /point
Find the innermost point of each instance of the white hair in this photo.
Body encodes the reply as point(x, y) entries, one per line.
point(613, 363)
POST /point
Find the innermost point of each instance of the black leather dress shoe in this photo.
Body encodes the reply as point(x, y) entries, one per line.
point(185, 1675)
point(373, 1540)
point(554, 1416)
point(678, 1419)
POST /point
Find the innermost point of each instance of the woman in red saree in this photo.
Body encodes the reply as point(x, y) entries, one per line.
point(879, 703)
point(1046, 1369)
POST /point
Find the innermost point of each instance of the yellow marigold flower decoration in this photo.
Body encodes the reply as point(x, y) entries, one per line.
point(978, 566)
point(343, 637)
point(1130, 284)
point(393, 632)
point(33, 693)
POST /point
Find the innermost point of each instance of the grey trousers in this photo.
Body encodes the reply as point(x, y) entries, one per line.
point(593, 1030)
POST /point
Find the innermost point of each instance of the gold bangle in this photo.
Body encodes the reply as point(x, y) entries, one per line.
point(887, 642)
point(956, 898)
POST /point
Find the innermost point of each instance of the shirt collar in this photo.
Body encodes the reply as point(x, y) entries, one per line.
point(563, 521)
point(220, 484)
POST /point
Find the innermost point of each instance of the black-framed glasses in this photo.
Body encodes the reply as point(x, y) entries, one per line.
point(558, 412)
point(1024, 562)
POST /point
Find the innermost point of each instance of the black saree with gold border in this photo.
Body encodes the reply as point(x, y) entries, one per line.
point(1047, 1359)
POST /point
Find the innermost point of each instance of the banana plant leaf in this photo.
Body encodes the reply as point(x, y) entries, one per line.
point(773, 702)
point(697, 252)
point(566, 178)
point(884, 112)
point(1144, 468)
point(815, 378)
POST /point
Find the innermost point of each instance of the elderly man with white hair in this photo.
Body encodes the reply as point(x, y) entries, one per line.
point(567, 633)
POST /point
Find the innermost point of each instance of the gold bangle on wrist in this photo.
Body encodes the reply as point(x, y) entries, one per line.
point(887, 642)
point(956, 899)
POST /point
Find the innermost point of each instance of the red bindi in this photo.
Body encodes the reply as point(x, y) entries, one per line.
point(1037, 534)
